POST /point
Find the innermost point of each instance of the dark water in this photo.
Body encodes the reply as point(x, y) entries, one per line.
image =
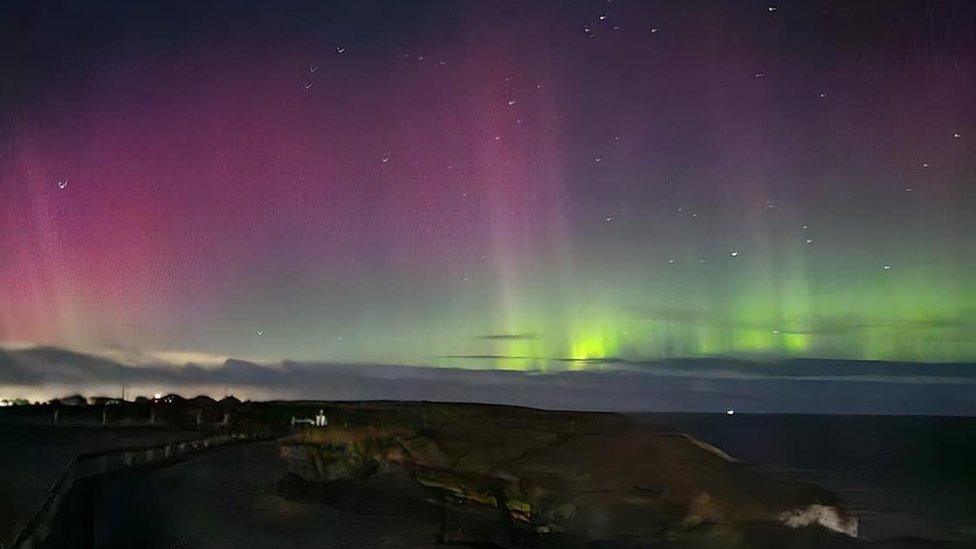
point(904, 476)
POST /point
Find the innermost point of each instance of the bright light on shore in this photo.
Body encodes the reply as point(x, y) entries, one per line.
point(730, 411)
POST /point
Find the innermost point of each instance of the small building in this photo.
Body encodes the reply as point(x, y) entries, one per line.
point(318, 421)
point(73, 400)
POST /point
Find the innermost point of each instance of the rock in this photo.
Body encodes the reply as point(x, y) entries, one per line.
point(828, 516)
point(591, 477)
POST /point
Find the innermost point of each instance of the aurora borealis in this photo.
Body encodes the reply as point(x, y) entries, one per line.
point(512, 185)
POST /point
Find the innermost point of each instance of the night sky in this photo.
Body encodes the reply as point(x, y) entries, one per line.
point(536, 185)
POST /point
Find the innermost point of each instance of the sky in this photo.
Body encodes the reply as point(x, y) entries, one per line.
point(538, 186)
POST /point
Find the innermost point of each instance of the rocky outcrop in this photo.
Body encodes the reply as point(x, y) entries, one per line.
point(593, 477)
point(828, 516)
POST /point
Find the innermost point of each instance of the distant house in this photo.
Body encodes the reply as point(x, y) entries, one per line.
point(229, 402)
point(73, 400)
point(171, 398)
point(203, 400)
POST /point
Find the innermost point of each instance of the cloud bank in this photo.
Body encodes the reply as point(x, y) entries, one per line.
point(705, 385)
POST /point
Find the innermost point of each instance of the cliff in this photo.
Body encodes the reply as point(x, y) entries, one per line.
point(506, 475)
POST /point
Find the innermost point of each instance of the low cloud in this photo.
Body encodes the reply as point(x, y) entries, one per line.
point(492, 357)
point(707, 385)
point(508, 337)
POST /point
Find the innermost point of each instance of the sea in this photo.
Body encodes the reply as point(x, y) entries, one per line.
point(904, 477)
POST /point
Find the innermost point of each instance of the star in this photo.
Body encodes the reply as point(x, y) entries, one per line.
point(62, 184)
point(597, 160)
point(420, 57)
point(957, 135)
point(654, 29)
point(775, 332)
point(759, 75)
point(386, 158)
point(511, 102)
point(702, 260)
point(338, 339)
point(823, 95)
point(808, 241)
point(442, 62)
point(340, 49)
point(805, 227)
point(465, 278)
point(260, 332)
point(609, 219)
point(771, 9)
point(734, 253)
point(312, 68)
point(908, 189)
point(308, 86)
point(603, 17)
point(926, 165)
point(671, 261)
point(887, 267)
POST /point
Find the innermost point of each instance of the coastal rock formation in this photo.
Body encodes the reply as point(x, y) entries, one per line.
point(825, 515)
point(504, 473)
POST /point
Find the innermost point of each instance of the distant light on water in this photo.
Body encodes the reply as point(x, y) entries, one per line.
point(730, 411)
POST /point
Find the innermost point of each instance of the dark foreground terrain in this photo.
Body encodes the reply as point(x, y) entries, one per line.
point(32, 456)
point(424, 475)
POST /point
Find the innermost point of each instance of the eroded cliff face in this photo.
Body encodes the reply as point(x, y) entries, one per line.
point(591, 477)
